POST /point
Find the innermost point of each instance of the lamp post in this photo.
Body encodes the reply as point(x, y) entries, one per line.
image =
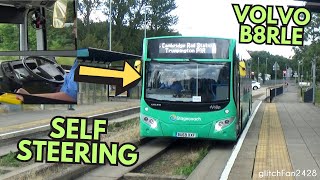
point(258, 68)
point(266, 72)
point(302, 71)
point(145, 19)
point(110, 14)
point(110, 33)
point(314, 80)
point(266, 65)
point(299, 73)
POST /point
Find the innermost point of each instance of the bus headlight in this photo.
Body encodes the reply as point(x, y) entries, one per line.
point(223, 123)
point(150, 121)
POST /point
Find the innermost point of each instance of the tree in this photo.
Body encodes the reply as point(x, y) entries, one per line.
point(311, 31)
point(86, 7)
point(127, 18)
point(9, 37)
point(161, 19)
point(263, 55)
point(307, 53)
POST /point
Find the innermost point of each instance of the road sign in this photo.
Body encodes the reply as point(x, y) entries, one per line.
point(275, 66)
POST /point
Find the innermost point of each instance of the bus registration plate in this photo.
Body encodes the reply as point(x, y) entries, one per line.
point(185, 134)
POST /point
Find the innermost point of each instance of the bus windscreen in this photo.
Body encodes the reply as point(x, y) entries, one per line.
point(188, 48)
point(188, 82)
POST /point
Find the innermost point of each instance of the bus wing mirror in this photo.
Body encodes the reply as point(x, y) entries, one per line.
point(137, 65)
point(59, 13)
point(242, 68)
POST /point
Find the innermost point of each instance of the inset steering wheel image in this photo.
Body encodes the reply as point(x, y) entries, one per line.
point(48, 70)
point(38, 80)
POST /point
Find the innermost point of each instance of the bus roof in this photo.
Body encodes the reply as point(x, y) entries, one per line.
point(162, 37)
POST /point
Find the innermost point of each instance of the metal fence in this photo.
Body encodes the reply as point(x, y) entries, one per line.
point(90, 93)
point(272, 92)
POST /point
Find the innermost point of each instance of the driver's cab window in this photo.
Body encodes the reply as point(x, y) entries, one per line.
point(28, 26)
point(57, 38)
point(9, 39)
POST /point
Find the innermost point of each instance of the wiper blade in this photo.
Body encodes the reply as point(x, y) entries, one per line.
point(166, 62)
point(198, 62)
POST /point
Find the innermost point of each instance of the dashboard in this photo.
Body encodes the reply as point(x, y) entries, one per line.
point(15, 69)
point(13, 75)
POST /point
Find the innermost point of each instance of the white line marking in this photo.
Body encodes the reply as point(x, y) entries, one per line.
point(112, 112)
point(14, 132)
point(38, 127)
point(227, 169)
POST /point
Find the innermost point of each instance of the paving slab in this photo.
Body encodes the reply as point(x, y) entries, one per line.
point(243, 166)
point(300, 124)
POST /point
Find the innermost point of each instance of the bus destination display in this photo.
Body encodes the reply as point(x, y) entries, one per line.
point(193, 47)
point(198, 48)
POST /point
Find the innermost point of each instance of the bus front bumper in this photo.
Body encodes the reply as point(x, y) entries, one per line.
point(205, 131)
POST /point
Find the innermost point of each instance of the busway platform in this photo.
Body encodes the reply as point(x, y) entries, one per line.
point(283, 141)
point(15, 121)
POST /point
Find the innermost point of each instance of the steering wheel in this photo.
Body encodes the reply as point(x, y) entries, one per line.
point(49, 71)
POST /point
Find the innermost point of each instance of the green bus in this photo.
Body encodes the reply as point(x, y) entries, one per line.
point(194, 87)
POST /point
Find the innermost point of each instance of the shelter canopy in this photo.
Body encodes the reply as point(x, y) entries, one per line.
point(104, 56)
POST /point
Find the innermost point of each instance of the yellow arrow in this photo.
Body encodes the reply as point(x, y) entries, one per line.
point(128, 74)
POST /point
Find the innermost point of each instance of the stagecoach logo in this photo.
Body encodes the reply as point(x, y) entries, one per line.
point(174, 117)
point(216, 107)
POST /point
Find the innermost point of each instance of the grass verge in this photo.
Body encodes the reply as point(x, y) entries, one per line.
point(124, 124)
point(65, 60)
point(9, 160)
point(187, 168)
point(180, 159)
point(121, 132)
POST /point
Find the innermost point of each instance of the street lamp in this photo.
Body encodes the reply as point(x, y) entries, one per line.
point(302, 71)
point(110, 14)
point(266, 70)
point(314, 80)
point(299, 62)
point(145, 19)
point(258, 68)
point(110, 32)
point(266, 65)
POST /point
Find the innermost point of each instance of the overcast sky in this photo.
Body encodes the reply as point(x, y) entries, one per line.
point(216, 18)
